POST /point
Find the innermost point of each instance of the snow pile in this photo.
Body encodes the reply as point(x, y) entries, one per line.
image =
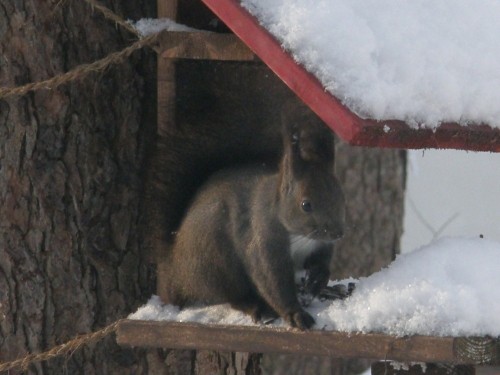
point(420, 61)
point(447, 288)
point(148, 26)
point(216, 314)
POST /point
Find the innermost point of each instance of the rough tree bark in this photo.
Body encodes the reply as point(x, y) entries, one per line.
point(71, 163)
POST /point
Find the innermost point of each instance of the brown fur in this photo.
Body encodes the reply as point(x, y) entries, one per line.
point(226, 115)
point(233, 244)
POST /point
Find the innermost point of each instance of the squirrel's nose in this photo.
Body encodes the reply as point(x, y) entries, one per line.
point(332, 233)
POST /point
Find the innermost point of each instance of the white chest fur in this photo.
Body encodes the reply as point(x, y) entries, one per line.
point(300, 248)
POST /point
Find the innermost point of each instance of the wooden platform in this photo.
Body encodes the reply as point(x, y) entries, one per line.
point(454, 350)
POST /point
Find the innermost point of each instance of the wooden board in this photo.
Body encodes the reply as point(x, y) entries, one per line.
point(166, 89)
point(315, 342)
point(346, 124)
point(204, 46)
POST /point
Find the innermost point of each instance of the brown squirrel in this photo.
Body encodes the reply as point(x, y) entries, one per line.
point(245, 228)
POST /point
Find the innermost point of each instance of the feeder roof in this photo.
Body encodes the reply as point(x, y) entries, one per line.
point(383, 73)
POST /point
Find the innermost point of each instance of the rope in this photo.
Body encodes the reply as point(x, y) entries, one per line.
point(85, 69)
point(68, 347)
point(113, 17)
point(81, 70)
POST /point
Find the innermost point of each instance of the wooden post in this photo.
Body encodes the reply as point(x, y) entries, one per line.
point(166, 76)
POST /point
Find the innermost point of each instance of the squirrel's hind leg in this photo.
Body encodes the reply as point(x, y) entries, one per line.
point(256, 307)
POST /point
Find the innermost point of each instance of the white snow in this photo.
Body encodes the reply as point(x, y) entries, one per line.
point(148, 26)
point(447, 288)
point(421, 61)
point(216, 314)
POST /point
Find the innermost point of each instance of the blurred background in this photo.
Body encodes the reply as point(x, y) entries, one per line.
point(451, 193)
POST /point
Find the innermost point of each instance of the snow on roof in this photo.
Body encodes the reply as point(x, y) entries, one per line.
point(423, 62)
point(449, 288)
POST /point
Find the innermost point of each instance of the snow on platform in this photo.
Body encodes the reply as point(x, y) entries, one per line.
point(449, 288)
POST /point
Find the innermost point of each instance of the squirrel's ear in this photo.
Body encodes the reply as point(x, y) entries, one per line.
point(311, 150)
point(298, 163)
point(317, 148)
point(306, 140)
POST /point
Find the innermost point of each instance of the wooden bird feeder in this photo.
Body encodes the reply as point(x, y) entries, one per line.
point(251, 41)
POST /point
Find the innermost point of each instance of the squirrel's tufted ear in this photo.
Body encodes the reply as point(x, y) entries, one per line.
point(316, 145)
point(306, 139)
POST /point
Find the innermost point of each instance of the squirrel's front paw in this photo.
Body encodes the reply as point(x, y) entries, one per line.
point(316, 280)
point(300, 319)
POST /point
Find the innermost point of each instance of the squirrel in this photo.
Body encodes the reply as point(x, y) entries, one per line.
point(249, 228)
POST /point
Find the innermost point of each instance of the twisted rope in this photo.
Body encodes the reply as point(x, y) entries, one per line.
point(113, 17)
point(68, 347)
point(82, 71)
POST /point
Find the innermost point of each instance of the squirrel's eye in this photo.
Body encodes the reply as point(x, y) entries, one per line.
point(306, 206)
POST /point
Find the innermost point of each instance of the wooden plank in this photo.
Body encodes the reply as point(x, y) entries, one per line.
point(166, 89)
point(321, 343)
point(204, 46)
point(349, 126)
point(167, 8)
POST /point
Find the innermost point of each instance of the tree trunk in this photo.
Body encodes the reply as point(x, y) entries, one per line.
point(71, 162)
point(374, 184)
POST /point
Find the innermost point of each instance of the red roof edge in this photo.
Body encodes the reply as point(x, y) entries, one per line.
point(346, 124)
